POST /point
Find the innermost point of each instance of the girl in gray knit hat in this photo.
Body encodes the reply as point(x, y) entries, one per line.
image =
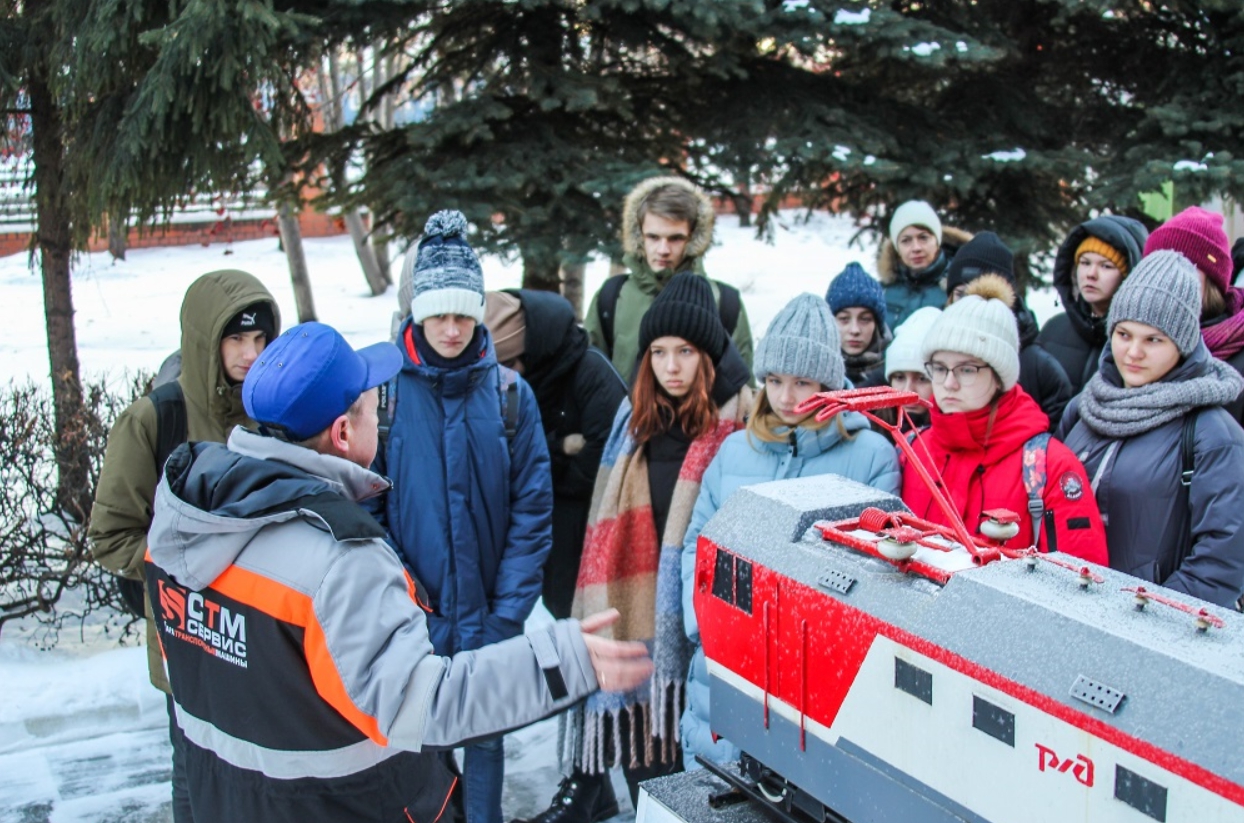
point(1166, 460)
point(798, 357)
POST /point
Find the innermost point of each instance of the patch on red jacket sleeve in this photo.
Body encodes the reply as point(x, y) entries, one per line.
point(1072, 485)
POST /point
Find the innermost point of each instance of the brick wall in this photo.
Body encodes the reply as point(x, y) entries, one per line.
point(205, 233)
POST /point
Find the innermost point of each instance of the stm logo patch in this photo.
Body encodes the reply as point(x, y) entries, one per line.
point(202, 622)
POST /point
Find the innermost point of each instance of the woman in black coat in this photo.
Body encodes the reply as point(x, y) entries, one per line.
point(1089, 268)
point(578, 391)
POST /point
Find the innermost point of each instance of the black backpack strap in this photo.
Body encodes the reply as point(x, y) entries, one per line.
point(607, 308)
point(1187, 451)
point(385, 407)
point(728, 306)
point(507, 390)
point(1187, 468)
point(511, 411)
point(171, 432)
point(171, 422)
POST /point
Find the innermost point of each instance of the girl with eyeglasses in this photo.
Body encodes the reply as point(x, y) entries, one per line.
point(984, 428)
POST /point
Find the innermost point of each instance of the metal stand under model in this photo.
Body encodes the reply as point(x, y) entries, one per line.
point(719, 793)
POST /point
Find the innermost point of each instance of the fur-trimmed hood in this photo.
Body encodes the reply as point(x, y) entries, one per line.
point(701, 236)
point(889, 264)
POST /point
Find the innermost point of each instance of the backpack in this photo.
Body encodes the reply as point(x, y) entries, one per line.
point(171, 432)
point(728, 306)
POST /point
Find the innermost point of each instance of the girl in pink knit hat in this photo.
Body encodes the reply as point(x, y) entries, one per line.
point(1198, 235)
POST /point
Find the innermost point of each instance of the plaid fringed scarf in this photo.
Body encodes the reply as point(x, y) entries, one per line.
point(624, 568)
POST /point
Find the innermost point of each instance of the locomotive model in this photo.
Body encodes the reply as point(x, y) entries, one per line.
point(875, 667)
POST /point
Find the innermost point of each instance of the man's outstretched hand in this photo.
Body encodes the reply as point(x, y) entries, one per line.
point(619, 665)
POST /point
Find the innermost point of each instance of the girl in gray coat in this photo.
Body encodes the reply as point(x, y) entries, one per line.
point(798, 357)
point(1157, 384)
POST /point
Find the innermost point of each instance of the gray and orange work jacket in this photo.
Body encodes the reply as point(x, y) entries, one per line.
point(298, 651)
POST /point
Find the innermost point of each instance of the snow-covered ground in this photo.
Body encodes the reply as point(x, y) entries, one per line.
point(83, 736)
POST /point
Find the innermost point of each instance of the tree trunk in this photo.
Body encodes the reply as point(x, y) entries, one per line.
point(572, 286)
point(541, 271)
point(380, 247)
point(743, 206)
point(331, 90)
point(291, 239)
point(118, 236)
point(54, 236)
point(376, 281)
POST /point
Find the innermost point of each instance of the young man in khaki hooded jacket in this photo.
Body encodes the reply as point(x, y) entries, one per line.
point(227, 317)
point(667, 227)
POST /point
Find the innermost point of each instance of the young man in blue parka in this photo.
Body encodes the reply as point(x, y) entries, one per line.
point(470, 511)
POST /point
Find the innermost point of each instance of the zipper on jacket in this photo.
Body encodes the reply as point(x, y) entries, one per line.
point(794, 444)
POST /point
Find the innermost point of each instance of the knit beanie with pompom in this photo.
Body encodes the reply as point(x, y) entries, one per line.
point(443, 272)
point(981, 325)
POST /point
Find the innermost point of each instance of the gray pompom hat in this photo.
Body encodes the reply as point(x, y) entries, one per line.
point(1163, 291)
point(443, 274)
point(802, 341)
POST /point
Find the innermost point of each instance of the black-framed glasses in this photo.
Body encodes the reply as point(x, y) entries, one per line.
point(966, 374)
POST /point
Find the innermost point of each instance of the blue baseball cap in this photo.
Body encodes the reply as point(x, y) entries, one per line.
point(309, 376)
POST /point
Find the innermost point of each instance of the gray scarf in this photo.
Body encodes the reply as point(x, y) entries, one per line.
point(1112, 410)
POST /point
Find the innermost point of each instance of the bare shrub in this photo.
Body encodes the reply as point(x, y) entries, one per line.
point(46, 570)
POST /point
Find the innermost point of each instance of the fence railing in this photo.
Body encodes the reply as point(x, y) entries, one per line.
point(17, 202)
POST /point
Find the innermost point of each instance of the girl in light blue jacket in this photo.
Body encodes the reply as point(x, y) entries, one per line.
point(798, 357)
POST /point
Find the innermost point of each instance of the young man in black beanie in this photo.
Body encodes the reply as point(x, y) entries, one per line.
point(244, 338)
point(1040, 374)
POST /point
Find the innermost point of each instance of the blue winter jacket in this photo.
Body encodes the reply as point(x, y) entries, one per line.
point(469, 512)
point(742, 461)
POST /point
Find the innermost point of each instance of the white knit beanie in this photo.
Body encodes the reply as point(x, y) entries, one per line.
point(981, 325)
point(905, 352)
point(915, 213)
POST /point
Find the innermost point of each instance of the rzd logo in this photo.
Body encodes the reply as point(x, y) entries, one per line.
point(1081, 767)
point(209, 625)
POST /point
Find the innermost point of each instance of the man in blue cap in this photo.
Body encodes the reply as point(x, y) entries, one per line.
point(295, 642)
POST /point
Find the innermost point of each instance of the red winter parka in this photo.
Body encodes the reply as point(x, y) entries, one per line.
point(980, 456)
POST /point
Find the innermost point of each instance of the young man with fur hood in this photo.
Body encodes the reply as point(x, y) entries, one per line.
point(912, 260)
point(667, 227)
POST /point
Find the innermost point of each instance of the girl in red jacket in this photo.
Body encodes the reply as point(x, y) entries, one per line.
point(983, 426)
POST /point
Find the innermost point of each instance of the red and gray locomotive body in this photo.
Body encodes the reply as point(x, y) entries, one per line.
point(1012, 690)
